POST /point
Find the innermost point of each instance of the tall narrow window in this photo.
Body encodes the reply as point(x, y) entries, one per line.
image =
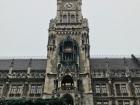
point(16, 90)
point(32, 90)
point(19, 89)
point(101, 89)
point(60, 18)
point(36, 89)
point(80, 85)
point(98, 91)
point(65, 18)
point(124, 90)
point(73, 18)
point(121, 90)
point(137, 89)
point(104, 88)
point(13, 89)
point(39, 89)
point(118, 91)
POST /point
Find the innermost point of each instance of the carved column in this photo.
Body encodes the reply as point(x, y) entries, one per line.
point(25, 89)
point(6, 89)
point(111, 92)
point(130, 87)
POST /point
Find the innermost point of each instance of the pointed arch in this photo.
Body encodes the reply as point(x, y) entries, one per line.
point(68, 50)
point(67, 83)
point(68, 99)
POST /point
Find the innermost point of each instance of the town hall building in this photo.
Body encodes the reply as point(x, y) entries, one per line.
point(68, 72)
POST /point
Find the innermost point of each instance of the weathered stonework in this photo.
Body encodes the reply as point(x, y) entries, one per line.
point(70, 30)
point(69, 72)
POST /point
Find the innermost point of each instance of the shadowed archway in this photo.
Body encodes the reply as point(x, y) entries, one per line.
point(68, 99)
point(67, 83)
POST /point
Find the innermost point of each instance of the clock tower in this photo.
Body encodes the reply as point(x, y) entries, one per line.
point(68, 74)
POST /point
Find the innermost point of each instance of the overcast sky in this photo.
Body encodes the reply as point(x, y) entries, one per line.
point(114, 26)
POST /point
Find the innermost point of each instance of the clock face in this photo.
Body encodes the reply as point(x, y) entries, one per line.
point(68, 5)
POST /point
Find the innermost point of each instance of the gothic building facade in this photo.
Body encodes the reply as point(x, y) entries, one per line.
point(68, 72)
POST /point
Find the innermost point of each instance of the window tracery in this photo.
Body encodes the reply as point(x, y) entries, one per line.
point(16, 90)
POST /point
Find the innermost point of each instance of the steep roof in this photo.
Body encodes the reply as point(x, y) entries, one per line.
point(113, 63)
point(5, 64)
point(96, 64)
point(23, 64)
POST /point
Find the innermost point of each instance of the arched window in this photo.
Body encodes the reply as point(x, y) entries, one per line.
point(67, 83)
point(68, 99)
point(68, 51)
point(65, 18)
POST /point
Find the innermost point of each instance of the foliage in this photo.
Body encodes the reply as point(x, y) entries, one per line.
point(32, 102)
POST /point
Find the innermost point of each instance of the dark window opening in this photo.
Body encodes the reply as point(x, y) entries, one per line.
point(80, 85)
point(68, 99)
point(101, 90)
point(67, 83)
point(72, 18)
point(64, 18)
point(121, 90)
point(68, 52)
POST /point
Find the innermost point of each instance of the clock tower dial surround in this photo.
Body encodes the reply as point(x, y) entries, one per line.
point(68, 5)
